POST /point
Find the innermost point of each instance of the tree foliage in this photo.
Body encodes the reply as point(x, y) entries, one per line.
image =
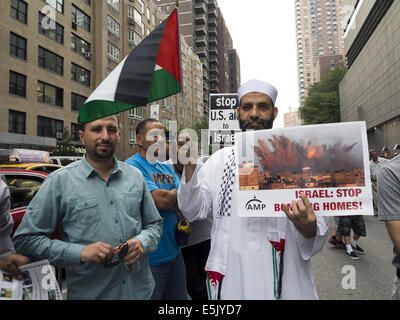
point(64, 146)
point(323, 103)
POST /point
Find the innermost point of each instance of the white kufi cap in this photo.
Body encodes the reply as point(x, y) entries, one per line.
point(258, 86)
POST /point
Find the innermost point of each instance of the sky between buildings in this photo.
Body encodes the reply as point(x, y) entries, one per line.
point(264, 35)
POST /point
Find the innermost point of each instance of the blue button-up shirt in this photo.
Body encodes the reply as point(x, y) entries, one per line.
point(89, 209)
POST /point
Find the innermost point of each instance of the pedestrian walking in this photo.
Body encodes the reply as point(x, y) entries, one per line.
point(336, 238)
point(108, 221)
point(197, 249)
point(355, 223)
point(389, 211)
point(244, 261)
point(375, 164)
point(166, 262)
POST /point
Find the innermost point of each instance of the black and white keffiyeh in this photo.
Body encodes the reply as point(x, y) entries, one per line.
point(275, 234)
point(226, 187)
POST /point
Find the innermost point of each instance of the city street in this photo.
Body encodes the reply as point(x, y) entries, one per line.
point(374, 271)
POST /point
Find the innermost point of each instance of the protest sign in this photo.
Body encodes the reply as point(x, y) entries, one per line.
point(39, 283)
point(223, 121)
point(329, 163)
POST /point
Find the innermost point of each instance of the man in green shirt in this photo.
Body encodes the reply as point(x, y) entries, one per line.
point(98, 203)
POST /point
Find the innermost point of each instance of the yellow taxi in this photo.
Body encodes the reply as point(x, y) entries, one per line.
point(43, 167)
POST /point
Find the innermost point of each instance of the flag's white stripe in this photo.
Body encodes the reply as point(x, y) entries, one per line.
point(107, 88)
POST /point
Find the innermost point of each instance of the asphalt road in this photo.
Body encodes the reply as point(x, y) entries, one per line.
point(374, 272)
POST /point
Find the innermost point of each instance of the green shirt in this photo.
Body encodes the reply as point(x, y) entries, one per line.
point(89, 209)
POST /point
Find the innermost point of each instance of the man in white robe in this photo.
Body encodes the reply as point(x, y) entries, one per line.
point(243, 263)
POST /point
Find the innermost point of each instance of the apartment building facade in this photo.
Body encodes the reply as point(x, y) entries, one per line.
point(370, 90)
point(58, 52)
point(203, 28)
point(292, 118)
point(318, 34)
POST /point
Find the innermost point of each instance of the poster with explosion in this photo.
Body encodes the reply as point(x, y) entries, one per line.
point(329, 163)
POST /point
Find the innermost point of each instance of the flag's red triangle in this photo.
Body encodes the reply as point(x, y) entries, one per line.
point(169, 51)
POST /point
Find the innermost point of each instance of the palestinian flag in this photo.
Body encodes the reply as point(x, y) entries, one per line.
point(152, 71)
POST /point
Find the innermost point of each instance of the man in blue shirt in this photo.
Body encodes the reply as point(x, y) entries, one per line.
point(166, 262)
point(98, 204)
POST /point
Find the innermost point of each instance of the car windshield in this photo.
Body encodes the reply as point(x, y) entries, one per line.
point(22, 189)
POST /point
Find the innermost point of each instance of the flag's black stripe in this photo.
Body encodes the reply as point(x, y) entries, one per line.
point(137, 73)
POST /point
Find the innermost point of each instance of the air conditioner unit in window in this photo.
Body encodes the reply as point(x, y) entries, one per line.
point(59, 135)
point(88, 55)
point(131, 21)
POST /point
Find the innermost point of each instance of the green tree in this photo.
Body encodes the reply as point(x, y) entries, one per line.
point(323, 103)
point(64, 147)
point(201, 125)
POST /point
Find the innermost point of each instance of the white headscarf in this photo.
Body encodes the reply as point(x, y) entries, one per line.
point(258, 86)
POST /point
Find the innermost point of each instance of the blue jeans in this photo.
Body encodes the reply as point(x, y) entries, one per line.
point(170, 278)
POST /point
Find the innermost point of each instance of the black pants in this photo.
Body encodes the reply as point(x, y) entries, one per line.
point(195, 257)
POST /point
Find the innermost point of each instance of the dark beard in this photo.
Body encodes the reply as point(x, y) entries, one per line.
point(266, 124)
point(104, 155)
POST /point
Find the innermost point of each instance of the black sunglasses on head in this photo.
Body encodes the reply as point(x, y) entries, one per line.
point(122, 251)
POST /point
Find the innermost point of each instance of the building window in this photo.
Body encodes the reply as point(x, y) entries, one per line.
point(113, 26)
point(133, 13)
point(79, 18)
point(19, 10)
point(46, 93)
point(16, 122)
point(132, 136)
point(80, 74)
point(50, 61)
point(56, 34)
point(48, 127)
point(56, 4)
point(134, 37)
point(74, 131)
point(114, 4)
point(79, 45)
point(17, 84)
point(77, 101)
point(17, 46)
point(137, 113)
point(141, 4)
point(112, 51)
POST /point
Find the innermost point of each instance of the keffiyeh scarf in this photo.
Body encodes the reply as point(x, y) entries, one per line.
point(217, 261)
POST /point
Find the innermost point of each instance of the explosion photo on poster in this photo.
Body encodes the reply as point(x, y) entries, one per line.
point(297, 161)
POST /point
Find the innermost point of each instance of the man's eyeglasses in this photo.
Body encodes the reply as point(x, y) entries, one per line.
point(116, 259)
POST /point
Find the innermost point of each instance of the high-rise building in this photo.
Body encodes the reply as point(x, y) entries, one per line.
point(57, 52)
point(370, 90)
point(224, 75)
point(203, 28)
point(328, 63)
point(318, 34)
point(234, 72)
point(291, 118)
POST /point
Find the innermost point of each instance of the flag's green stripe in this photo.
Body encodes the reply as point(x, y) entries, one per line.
point(97, 109)
point(163, 85)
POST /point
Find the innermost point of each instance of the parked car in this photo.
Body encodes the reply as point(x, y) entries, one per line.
point(64, 160)
point(23, 185)
point(43, 167)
